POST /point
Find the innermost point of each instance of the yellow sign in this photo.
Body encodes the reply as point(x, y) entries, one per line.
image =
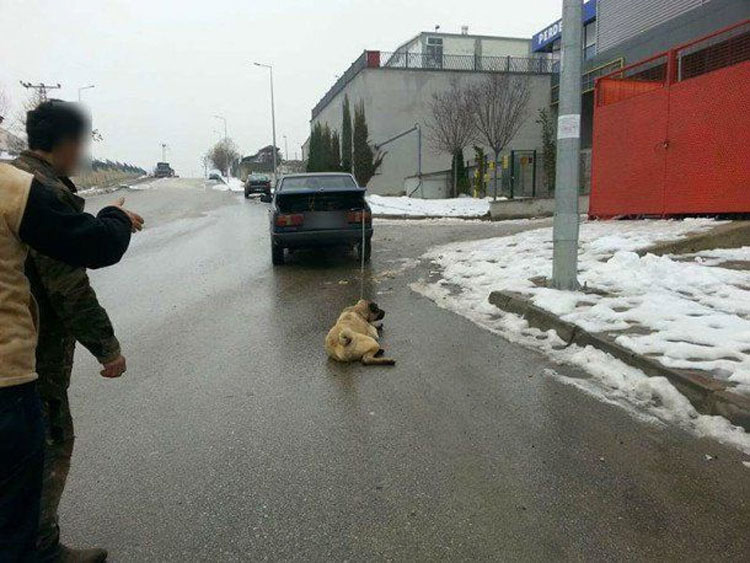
point(505, 162)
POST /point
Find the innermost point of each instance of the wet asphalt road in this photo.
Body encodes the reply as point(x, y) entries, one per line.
point(233, 438)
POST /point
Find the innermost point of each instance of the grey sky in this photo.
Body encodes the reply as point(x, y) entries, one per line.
point(163, 69)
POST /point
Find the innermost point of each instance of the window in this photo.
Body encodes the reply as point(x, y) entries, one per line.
point(317, 182)
point(434, 53)
point(589, 40)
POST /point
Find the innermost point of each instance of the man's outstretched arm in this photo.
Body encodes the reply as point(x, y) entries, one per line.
point(79, 239)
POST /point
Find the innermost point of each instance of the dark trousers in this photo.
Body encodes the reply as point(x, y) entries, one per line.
point(21, 463)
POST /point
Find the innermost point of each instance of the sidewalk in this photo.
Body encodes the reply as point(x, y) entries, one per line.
point(689, 313)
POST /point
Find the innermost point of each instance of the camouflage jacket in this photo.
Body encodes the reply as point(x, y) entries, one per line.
point(63, 292)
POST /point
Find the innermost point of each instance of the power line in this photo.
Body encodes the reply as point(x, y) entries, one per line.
point(41, 88)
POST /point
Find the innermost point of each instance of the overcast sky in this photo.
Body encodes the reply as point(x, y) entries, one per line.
point(162, 69)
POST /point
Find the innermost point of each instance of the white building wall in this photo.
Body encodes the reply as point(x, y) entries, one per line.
point(505, 47)
point(396, 99)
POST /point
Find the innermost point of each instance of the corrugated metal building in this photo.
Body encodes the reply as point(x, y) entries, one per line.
point(619, 21)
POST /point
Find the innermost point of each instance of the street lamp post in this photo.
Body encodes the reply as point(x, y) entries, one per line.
point(286, 149)
point(81, 89)
point(224, 119)
point(273, 116)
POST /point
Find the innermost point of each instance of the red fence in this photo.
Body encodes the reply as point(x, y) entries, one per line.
point(672, 133)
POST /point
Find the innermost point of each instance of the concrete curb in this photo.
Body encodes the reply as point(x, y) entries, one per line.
point(733, 235)
point(707, 395)
point(485, 217)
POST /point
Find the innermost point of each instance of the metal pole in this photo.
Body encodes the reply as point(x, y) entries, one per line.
point(565, 232)
point(81, 89)
point(273, 125)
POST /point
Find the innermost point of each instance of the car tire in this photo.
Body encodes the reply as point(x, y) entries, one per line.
point(277, 255)
point(247, 194)
point(367, 251)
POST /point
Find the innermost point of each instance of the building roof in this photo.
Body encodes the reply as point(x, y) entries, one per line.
point(468, 35)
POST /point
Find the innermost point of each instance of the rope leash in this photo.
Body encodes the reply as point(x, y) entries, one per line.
point(362, 259)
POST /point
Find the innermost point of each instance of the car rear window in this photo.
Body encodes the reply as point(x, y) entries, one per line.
point(323, 201)
point(317, 182)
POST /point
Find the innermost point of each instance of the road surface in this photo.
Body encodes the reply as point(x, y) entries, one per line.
point(233, 438)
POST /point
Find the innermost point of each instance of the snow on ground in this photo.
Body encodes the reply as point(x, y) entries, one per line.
point(416, 207)
point(687, 314)
point(230, 185)
point(131, 184)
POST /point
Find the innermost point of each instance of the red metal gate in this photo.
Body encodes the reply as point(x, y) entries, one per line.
point(672, 133)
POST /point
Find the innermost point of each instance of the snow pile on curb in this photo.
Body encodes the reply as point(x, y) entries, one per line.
point(138, 186)
point(690, 315)
point(230, 185)
point(415, 207)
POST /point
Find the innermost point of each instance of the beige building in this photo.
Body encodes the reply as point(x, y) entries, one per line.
point(396, 89)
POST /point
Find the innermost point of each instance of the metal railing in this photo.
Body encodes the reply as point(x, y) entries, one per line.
point(588, 79)
point(344, 79)
point(724, 48)
point(476, 63)
point(419, 61)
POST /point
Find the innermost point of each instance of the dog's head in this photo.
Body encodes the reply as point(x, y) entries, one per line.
point(369, 310)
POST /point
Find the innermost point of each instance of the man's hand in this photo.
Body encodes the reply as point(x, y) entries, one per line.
point(136, 221)
point(115, 368)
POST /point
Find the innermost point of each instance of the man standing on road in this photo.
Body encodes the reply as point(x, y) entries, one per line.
point(68, 312)
point(32, 216)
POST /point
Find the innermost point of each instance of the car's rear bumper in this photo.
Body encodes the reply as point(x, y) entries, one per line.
point(257, 190)
point(307, 239)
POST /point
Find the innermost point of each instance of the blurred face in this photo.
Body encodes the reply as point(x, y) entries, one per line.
point(67, 156)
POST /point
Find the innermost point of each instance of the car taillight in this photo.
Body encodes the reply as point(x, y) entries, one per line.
point(356, 216)
point(293, 220)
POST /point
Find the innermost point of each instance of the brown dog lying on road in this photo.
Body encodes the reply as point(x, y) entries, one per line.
point(354, 337)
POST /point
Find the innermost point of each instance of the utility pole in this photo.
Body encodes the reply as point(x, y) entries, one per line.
point(81, 89)
point(273, 116)
point(286, 149)
point(41, 89)
point(567, 182)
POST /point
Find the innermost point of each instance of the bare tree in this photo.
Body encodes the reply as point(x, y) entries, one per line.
point(499, 105)
point(223, 154)
point(450, 125)
point(4, 105)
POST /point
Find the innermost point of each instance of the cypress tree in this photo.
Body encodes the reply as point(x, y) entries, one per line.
point(325, 151)
point(460, 173)
point(335, 152)
point(346, 136)
point(363, 158)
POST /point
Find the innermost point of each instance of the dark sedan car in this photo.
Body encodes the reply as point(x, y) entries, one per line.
point(314, 210)
point(258, 184)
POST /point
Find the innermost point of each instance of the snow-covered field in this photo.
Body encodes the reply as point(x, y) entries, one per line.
point(686, 314)
point(416, 207)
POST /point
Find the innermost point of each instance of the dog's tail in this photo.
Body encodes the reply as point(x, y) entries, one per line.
point(377, 359)
point(345, 337)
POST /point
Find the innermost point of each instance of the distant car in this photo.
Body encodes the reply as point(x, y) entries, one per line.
point(163, 170)
point(319, 210)
point(215, 175)
point(258, 184)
